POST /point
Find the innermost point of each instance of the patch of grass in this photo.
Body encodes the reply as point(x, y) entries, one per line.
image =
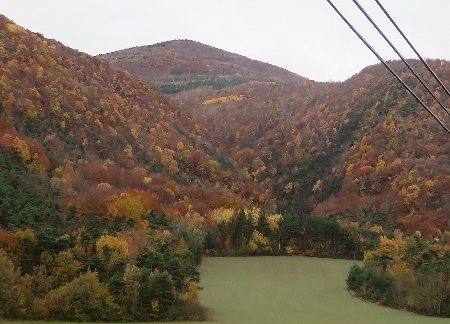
point(247, 290)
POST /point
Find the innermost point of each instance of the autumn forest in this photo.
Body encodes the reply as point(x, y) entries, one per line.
point(118, 173)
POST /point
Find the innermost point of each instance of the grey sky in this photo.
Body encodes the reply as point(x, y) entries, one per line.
point(304, 36)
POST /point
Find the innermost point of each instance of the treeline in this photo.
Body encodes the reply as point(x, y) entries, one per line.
point(216, 82)
point(62, 263)
point(255, 232)
point(97, 270)
point(406, 273)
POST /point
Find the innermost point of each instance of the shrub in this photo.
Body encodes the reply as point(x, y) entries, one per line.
point(189, 311)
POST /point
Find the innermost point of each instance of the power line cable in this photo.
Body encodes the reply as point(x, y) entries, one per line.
point(413, 48)
point(401, 56)
point(388, 67)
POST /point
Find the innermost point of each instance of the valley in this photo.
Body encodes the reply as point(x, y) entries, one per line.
point(122, 172)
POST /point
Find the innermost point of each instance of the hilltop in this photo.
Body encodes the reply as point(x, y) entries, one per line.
point(178, 65)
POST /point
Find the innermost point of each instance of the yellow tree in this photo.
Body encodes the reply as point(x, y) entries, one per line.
point(192, 293)
point(403, 275)
point(258, 243)
point(274, 221)
point(22, 149)
point(220, 215)
point(317, 186)
point(111, 250)
point(84, 299)
point(129, 206)
point(410, 195)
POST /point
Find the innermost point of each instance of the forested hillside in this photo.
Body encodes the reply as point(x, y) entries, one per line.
point(113, 184)
point(98, 130)
point(362, 150)
point(103, 184)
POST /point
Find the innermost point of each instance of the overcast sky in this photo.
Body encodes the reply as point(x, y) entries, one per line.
point(306, 37)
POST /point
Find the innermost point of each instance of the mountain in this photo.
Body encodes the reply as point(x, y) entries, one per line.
point(362, 150)
point(98, 133)
point(178, 65)
point(112, 190)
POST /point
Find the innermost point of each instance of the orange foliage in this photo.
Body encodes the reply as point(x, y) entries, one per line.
point(93, 201)
point(102, 126)
point(192, 293)
point(8, 241)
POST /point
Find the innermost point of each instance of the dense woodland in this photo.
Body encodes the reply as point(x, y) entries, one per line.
point(118, 173)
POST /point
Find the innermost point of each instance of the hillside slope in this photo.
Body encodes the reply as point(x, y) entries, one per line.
point(104, 184)
point(362, 150)
point(98, 132)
